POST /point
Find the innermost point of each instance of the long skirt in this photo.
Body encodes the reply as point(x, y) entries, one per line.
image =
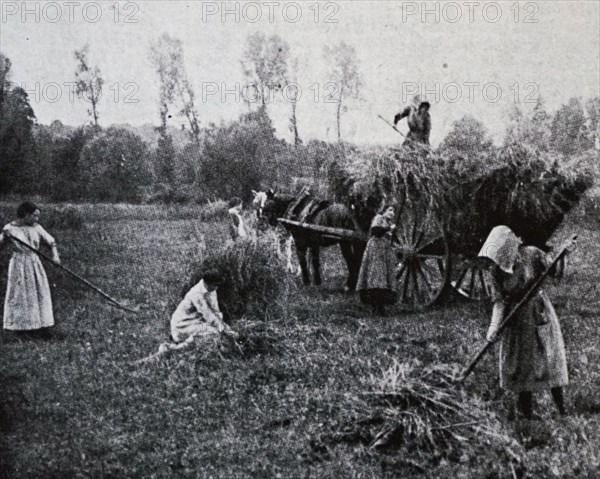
point(532, 351)
point(28, 304)
point(376, 281)
point(184, 325)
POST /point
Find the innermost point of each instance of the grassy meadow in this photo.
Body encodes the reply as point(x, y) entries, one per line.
point(289, 402)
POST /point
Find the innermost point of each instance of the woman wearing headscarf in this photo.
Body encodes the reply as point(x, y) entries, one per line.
point(376, 280)
point(28, 304)
point(532, 350)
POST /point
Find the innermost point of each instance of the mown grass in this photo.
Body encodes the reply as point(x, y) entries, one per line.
point(283, 404)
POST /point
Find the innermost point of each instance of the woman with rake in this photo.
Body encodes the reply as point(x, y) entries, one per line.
point(532, 349)
point(28, 304)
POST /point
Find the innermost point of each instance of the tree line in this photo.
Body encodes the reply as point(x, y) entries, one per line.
point(218, 161)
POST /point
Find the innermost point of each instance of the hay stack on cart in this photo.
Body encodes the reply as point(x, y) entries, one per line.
point(448, 205)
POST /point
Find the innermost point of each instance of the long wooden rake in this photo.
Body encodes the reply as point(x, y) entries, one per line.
point(111, 300)
point(511, 315)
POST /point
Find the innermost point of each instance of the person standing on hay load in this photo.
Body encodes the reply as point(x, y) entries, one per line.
point(237, 226)
point(28, 304)
point(376, 278)
point(532, 350)
point(419, 123)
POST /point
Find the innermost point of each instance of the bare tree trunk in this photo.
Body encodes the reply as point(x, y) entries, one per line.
point(94, 113)
point(188, 108)
point(262, 97)
point(196, 127)
point(94, 101)
point(193, 118)
point(339, 119)
point(297, 140)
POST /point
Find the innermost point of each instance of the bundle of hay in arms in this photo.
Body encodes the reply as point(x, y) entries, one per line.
point(528, 190)
point(427, 418)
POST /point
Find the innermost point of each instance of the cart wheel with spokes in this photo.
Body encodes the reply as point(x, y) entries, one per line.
point(472, 281)
point(423, 268)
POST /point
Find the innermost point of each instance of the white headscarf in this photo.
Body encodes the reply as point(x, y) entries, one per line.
point(502, 247)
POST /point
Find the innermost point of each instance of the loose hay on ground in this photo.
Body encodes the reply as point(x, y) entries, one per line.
point(418, 411)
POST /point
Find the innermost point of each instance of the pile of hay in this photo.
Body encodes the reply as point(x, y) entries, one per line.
point(256, 281)
point(526, 189)
point(419, 412)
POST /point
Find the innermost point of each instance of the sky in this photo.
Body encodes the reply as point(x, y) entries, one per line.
point(473, 57)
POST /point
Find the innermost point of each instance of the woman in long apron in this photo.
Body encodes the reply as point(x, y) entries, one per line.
point(376, 284)
point(532, 349)
point(28, 304)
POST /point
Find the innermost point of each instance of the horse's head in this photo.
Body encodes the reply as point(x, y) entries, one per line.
point(263, 203)
point(270, 205)
point(363, 209)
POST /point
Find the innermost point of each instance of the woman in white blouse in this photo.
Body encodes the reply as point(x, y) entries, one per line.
point(198, 313)
point(28, 304)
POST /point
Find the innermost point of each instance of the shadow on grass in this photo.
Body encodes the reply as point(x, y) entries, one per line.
point(585, 401)
point(533, 433)
point(12, 401)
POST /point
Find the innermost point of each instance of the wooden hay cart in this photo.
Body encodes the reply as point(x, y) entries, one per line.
point(438, 238)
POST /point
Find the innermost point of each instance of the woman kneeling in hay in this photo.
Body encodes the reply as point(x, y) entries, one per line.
point(532, 350)
point(198, 314)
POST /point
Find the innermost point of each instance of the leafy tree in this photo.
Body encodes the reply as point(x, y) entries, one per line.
point(113, 166)
point(239, 157)
point(570, 132)
point(293, 90)
point(187, 164)
point(17, 167)
point(265, 65)
point(344, 74)
point(532, 129)
point(66, 164)
point(540, 133)
point(165, 158)
point(176, 91)
point(88, 82)
point(5, 66)
point(468, 136)
point(592, 108)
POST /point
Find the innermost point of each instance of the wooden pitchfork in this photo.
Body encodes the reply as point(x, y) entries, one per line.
point(392, 126)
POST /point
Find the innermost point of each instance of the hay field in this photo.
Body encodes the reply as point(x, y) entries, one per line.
point(290, 403)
